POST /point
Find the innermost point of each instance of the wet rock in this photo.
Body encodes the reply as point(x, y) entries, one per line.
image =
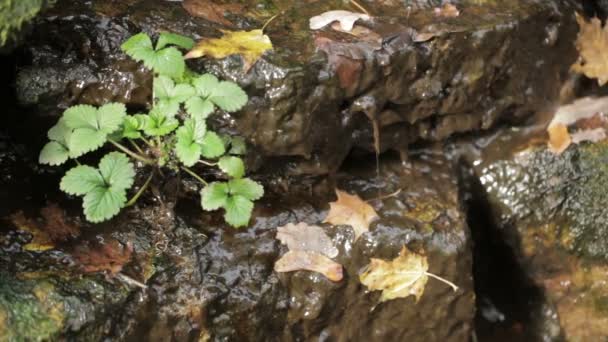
point(551, 211)
point(320, 94)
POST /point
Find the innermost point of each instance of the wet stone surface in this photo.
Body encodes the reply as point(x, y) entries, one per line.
point(318, 95)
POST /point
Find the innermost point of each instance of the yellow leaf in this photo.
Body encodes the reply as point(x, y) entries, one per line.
point(250, 45)
point(351, 210)
point(309, 261)
point(559, 138)
point(40, 239)
point(401, 277)
point(592, 45)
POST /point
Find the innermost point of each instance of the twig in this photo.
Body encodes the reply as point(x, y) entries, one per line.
point(361, 8)
point(130, 281)
point(385, 196)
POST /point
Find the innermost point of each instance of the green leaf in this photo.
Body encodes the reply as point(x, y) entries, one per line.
point(233, 166)
point(111, 116)
point(228, 96)
point(198, 107)
point(238, 146)
point(247, 188)
point(189, 138)
point(183, 92)
point(158, 124)
point(60, 132)
point(162, 86)
point(169, 107)
point(167, 38)
point(212, 145)
point(168, 61)
point(103, 203)
point(117, 171)
point(53, 153)
point(80, 180)
point(214, 196)
point(139, 47)
point(205, 84)
point(81, 116)
point(131, 128)
point(238, 211)
point(85, 140)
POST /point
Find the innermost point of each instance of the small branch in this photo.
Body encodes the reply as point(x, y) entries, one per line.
point(385, 196)
point(140, 191)
point(361, 8)
point(269, 20)
point(130, 281)
point(139, 150)
point(131, 153)
point(447, 282)
point(191, 173)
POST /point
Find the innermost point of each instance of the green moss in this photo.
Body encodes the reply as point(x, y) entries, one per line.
point(15, 13)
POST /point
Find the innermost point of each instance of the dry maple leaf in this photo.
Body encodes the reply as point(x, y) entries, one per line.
point(309, 261)
point(304, 237)
point(592, 45)
point(346, 19)
point(351, 210)
point(108, 256)
point(559, 138)
point(401, 277)
point(250, 45)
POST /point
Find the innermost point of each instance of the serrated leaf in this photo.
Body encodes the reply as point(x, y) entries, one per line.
point(162, 86)
point(165, 89)
point(111, 116)
point(131, 127)
point(85, 140)
point(198, 107)
point(228, 96)
point(60, 132)
point(247, 188)
point(169, 107)
point(81, 116)
point(158, 124)
point(168, 61)
point(250, 45)
point(81, 180)
point(238, 146)
point(103, 203)
point(212, 146)
point(205, 84)
point(214, 196)
point(189, 137)
point(139, 47)
point(238, 211)
point(167, 38)
point(233, 166)
point(117, 171)
point(53, 153)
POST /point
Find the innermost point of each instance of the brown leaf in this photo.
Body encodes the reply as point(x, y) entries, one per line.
point(592, 45)
point(108, 256)
point(40, 239)
point(351, 210)
point(401, 277)
point(49, 231)
point(309, 261)
point(211, 10)
point(559, 138)
point(447, 11)
point(304, 237)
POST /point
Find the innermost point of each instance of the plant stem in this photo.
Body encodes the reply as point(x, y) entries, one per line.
point(269, 20)
point(136, 147)
point(146, 141)
point(140, 191)
point(356, 4)
point(131, 153)
point(191, 173)
point(207, 163)
point(447, 282)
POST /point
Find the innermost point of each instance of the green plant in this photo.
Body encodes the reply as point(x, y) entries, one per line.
point(173, 134)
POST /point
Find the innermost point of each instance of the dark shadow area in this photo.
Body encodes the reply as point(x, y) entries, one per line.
point(510, 307)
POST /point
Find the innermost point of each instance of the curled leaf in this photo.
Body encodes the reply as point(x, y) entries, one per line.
point(401, 277)
point(346, 19)
point(309, 261)
point(351, 210)
point(304, 237)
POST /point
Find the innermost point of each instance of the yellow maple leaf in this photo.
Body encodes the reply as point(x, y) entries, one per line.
point(250, 45)
point(401, 277)
point(592, 45)
point(351, 210)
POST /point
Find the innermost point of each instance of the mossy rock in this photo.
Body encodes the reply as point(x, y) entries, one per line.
point(14, 14)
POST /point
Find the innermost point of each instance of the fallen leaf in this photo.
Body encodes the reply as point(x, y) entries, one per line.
point(304, 237)
point(309, 261)
point(401, 277)
point(351, 210)
point(447, 11)
point(250, 45)
point(585, 116)
point(592, 45)
point(346, 19)
point(108, 256)
point(559, 138)
point(211, 10)
point(40, 239)
point(56, 225)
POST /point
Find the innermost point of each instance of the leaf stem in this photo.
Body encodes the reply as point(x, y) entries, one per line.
point(131, 153)
point(356, 4)
point(207, 163)
point(269, 20)
point(146, 141)
point(447, 282)
point(140, 191)
point(191, 173)
point(139, 150)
